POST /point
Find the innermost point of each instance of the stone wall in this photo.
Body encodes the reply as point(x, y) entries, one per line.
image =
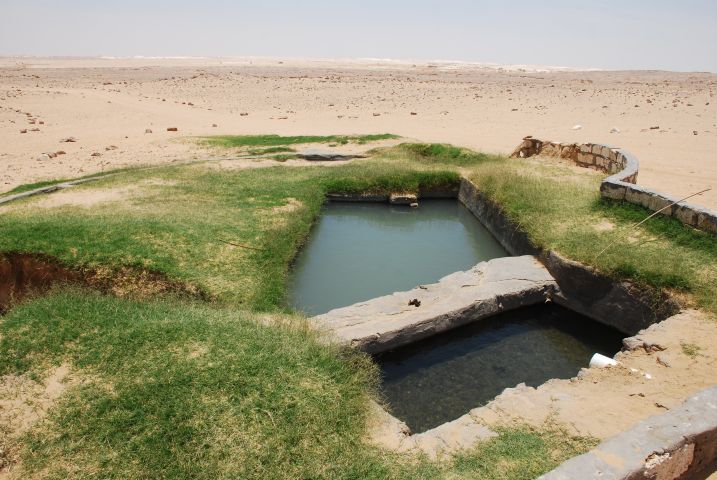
point(623, 168)
point(679, 444)
point(621, 305)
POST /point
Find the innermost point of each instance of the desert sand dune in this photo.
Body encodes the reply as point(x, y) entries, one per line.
point(669, 120)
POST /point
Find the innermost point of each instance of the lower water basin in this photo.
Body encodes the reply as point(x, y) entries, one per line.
point(443, 377)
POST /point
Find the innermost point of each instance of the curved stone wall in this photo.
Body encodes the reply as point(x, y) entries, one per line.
point(623, 168)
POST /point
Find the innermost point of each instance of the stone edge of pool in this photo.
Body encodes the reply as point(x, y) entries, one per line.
point(489, 288)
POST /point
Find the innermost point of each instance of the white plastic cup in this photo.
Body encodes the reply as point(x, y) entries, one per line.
point(601, 361)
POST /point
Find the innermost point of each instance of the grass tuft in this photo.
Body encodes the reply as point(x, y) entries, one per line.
point(690, 349)
point(438, 153)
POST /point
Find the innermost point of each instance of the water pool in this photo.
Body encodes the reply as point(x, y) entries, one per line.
point(441, 378)
point(358, 251)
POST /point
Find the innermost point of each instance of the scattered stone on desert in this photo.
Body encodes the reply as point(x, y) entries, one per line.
point(244, 114)
point(24, 130)
point(614, 130)
point(148, 130)
point(68, 140)
point(60, 152)
point(96, 154)
point(577, 127)
point(43, 157)
point(172, 129)
point(111, 147)
point(414, 113)
point(214, 124)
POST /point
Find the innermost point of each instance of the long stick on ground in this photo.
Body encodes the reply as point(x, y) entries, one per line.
point(240, 245)
point(649, 217)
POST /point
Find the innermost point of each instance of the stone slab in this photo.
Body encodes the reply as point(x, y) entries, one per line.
point(677, 444)
point(488, 288)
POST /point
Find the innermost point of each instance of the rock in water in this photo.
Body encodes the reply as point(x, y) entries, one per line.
point(402, 199)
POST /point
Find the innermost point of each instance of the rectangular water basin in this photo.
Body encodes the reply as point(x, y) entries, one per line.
point(443, 377)
point(359, 251)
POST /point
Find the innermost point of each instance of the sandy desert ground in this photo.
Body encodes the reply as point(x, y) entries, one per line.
point(669, 120)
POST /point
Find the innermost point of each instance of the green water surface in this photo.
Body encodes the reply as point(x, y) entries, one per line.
point(358, 251)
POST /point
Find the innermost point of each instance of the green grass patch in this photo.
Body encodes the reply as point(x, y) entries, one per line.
point(562, 210)
point(267, 151)
point(187, 391)
point(165, 389)
point(234, 141)
point(47, 183)
point(520, 454)
point(32, 186)
point(438, 153)
point(177, 220)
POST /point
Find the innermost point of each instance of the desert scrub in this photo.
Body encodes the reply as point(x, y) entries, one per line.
point(690, 349)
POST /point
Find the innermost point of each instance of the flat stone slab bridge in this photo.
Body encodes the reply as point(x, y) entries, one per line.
point(490, 287)
point(387, 322)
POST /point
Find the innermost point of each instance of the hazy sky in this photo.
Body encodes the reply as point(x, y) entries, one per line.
point(635, 34)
